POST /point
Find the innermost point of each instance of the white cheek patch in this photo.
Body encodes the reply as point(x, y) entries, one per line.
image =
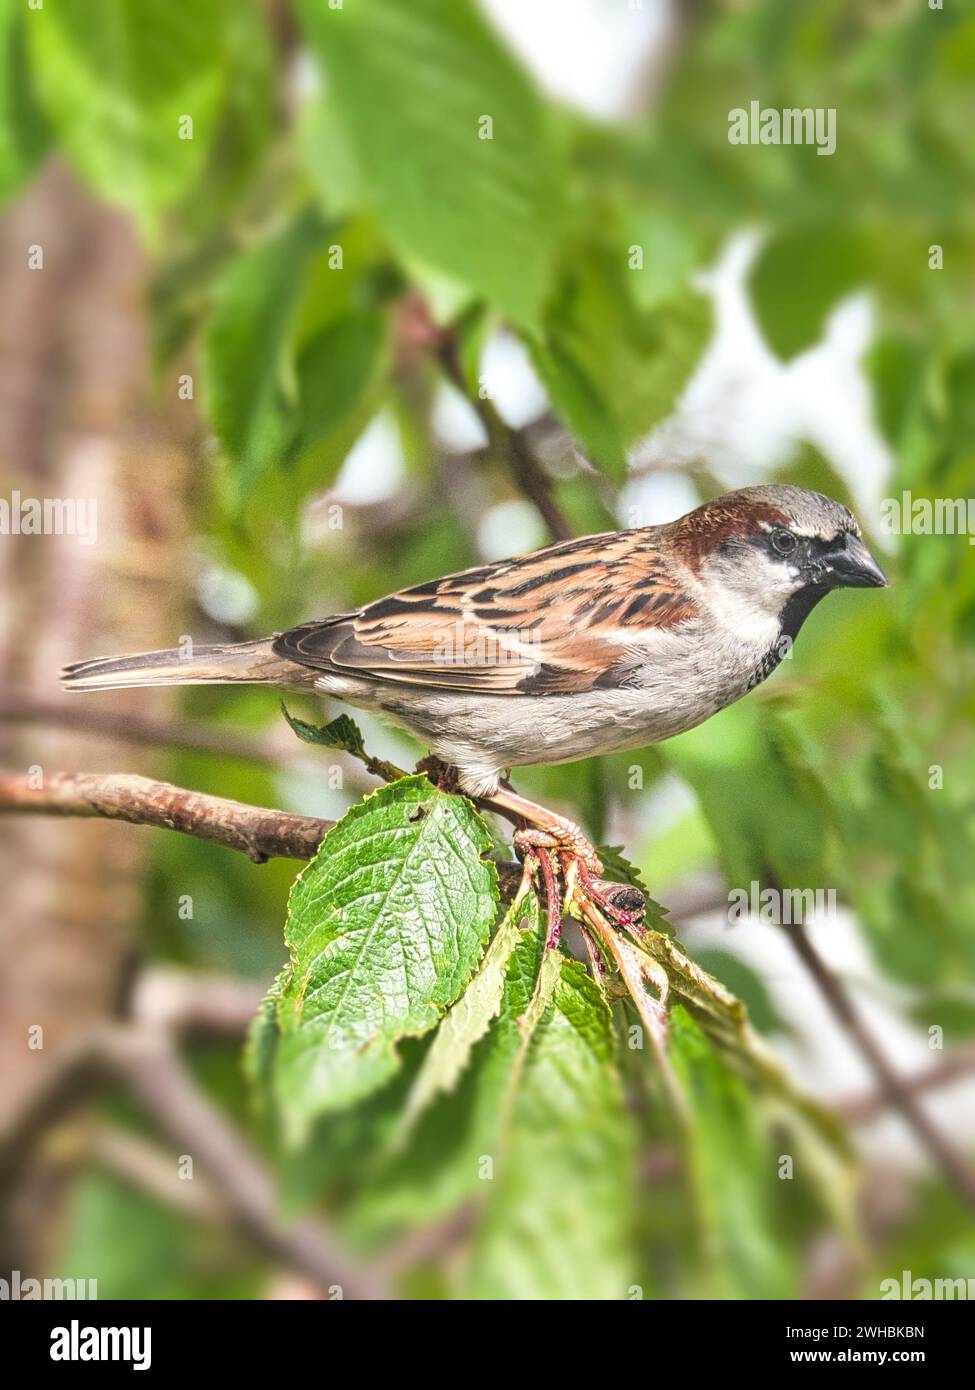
point(757, 575)
point(746, 593)
point(749, 620)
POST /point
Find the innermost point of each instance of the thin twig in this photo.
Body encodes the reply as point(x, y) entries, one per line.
point(188, 735)
point(512, 445)
point(900, 1095)
point(866, 1106)
point(147, 1062)
point(198, 1003)
point(428, 1244)
point(148, 1167)
point(532, 479)
point(158, 1078)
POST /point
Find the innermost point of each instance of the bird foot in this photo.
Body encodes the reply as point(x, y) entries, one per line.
point(444, 777)
point(567, 841)
point(574, 858)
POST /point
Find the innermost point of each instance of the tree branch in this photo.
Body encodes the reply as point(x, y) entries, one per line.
point(147, 1062)
point(188, 735)
point(256, 831)
point(86, 717)
point(198, 1003)
point(954, 1066)
point(512, 445)
point(899, 1093)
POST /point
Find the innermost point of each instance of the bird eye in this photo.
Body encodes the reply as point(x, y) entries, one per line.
point(783, 541)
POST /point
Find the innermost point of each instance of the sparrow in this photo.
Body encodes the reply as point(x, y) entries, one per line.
point(589, 646)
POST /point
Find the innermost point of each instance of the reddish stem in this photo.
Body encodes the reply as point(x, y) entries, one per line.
point(551, 900)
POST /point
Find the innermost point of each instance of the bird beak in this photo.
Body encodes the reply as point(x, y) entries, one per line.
point(850, 565)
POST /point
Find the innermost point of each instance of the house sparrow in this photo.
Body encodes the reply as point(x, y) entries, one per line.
point(589, 646)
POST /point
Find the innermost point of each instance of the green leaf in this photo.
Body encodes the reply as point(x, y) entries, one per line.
point(582, 408)
point(792, 308)
point(116, 80)
point(619, 869)
point(472, 333)
point(681, 330)
point(733, 1172)
point(438, 1166)
point(342, 732)
point(612, 370)
point(338, 374)
point(762, 814)
point(561, 1207)
point(261, 1046)
point(466, 1023)
point(723, 1019)
point(747, 984)
point(248, 379)
point(293, 366)
point(441, 1166)
point(24, 134)
point(669, 252)
point(413, 84)
point(385, 926)
point(245, 125)
point(322, 147)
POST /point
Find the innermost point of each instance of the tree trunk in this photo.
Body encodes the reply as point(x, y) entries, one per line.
point(77, 422)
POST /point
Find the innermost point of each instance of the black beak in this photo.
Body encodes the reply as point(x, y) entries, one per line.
point(849, 565)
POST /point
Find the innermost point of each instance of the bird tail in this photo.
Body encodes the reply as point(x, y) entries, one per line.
point(252, 662)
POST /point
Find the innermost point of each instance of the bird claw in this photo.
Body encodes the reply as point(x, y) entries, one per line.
point(535, 854)
point(568, 843)
point(578, 864)
point(444, 777)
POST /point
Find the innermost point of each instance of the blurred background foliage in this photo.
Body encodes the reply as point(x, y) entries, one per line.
point(333, 254)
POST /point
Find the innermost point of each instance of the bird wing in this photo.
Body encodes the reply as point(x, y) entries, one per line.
point(563, 619)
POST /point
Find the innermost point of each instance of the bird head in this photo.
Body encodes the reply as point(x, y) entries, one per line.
point(775, 549)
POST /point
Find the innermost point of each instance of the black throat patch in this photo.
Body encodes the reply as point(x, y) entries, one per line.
point(798, 608)
point(793, 615)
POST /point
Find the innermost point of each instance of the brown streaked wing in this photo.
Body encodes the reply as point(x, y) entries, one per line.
point(553, 622)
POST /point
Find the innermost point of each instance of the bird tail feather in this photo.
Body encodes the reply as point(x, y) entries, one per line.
point(249, 662)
